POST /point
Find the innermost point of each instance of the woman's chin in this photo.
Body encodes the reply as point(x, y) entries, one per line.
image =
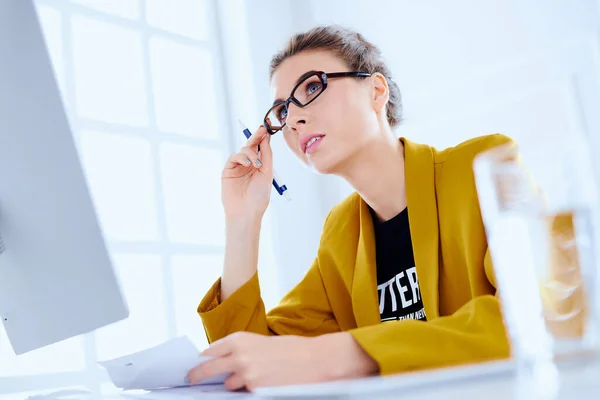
point(322, 165)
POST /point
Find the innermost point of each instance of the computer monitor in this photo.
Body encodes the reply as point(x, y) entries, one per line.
point(56, 276)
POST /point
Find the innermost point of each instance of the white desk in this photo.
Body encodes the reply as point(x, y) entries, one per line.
point(494, 381)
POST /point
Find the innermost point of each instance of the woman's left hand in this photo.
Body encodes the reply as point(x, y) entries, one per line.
point(253, 360)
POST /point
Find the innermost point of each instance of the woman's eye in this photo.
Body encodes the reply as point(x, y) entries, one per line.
point(282, 114)
point(313, 87)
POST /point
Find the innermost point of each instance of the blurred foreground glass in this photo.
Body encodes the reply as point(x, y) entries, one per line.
point(539, 206)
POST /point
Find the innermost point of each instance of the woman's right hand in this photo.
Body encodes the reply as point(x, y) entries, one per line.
point(247, 177)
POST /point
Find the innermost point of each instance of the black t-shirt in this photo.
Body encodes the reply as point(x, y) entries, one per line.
point(397, 282)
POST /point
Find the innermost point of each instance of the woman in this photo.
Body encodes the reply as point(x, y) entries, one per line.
point(402, 279)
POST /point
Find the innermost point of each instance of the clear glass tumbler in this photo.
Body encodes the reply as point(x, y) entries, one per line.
point(540, 209)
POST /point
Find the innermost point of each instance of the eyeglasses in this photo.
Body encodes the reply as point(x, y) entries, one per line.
point(310, 86)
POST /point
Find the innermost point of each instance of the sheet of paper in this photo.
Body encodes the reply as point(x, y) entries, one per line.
point(191, 393)
point(162, 366)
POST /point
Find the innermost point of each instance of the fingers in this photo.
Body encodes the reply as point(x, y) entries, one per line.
point(249, 156)
point(266, 152)
point(252, 156)
point(246, 157)
point(256, 138)
point(231, 344)
point(220, 348)
point(234, 382)
point(211, 368)
point(237, 159)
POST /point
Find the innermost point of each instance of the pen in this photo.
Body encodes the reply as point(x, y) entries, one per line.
point(277, 182)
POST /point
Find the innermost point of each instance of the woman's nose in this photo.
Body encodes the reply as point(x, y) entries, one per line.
point(296, 116)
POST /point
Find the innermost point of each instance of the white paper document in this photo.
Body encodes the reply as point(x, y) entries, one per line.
point(162, 366)
point(197, 392)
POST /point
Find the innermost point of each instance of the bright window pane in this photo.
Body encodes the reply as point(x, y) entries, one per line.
point(192, 190)
point(193, 275)
point(51, 21)
point(120, 172)
point(64, 356)
point(122, 8)
point(109, 73)
point(184, 92)
point(141, 277)
point(184, 17)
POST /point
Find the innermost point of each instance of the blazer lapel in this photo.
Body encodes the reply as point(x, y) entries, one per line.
point(365, 303)
point(423, 217)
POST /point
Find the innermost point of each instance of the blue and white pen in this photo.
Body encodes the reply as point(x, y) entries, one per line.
point(277, 182)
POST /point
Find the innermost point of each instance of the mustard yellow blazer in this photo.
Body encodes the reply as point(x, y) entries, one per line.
point(339, 291)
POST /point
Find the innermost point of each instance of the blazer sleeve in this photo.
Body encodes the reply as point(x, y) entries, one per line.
point(304, 311)
point(473, 333)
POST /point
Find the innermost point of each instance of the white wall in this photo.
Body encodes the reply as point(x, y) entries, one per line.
point(251, 42)
point(466, 68)
point(526, 68)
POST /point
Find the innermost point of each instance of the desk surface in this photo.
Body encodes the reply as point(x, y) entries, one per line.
point(579, 379)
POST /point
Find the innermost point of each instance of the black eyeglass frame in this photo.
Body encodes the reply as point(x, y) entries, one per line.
point(324, 78)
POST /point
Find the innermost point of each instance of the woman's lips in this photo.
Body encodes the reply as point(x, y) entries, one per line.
point(310, 140)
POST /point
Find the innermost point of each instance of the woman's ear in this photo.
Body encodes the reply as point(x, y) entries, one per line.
point(381, 91)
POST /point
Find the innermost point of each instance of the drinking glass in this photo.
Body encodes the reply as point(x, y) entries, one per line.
point(539, 206)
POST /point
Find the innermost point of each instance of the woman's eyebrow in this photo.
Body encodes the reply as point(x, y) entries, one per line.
point(300, 79)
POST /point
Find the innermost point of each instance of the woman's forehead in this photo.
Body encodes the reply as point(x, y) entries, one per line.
point(285, 76)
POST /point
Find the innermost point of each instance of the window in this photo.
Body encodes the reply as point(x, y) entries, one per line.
point(137, 80)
